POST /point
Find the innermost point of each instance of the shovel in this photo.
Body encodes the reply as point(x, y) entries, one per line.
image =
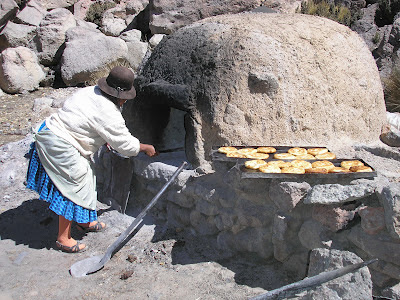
point(93, 264)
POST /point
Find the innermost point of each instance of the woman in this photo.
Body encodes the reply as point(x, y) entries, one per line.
point(60, 169)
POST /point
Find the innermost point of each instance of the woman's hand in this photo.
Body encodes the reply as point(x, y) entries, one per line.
point(148, 150)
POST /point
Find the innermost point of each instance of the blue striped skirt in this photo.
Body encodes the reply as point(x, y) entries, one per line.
point(38, 180)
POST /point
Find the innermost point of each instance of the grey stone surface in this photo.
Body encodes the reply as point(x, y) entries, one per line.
point(136, 52)
point(242, 45)
point(32, 14)
point(14, 35)
point(51, 35)
point(380, 246)
point(286, 195)
point(392, 292)
point(355, 285)
point(168, 16)
point(8, 9)
point(390, 199)
point(156, 39)
point(87, 54)
point(20, 70)
point(336, 193)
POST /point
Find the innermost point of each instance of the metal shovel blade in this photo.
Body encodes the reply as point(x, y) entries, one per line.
point(82, 267)
point(95, 263)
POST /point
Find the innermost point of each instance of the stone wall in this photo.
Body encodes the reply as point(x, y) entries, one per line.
point(281, 219)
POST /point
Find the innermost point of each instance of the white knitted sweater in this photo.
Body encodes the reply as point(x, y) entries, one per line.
point(88, 120)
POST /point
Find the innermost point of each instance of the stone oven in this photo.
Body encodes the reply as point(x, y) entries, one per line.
point(258, 79)
point(270, 79)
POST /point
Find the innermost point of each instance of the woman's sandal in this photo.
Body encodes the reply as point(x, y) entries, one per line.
point(73, 249)
point(94, 228)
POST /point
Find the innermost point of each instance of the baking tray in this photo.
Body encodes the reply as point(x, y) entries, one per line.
point(249, 173)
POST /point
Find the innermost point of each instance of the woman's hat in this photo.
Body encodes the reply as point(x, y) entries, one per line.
point(119, 83)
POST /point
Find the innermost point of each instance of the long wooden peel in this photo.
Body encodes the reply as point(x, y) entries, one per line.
point(314, 280)
point(95, 263)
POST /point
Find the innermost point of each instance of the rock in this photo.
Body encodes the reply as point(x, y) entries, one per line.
point(177, 216)
point(372, 219)
point(337, 193)
point(19, 70)
point(132, 35)
point(286, 195)
point(51, 4)
point(113, 23)
point(14, 35)
point(180, 199)
point(204, 225)
point(333, 218)
point(389, 198)
point(388, 269)
point(367, 28)
point(87, 54)
point(390, 136)
point(248, 240)
point(312, 235)
point(156, 39)
point(392, 292)
point(262, 46)
point(168, 16)
point(136, 52)
point(32, 14)
point(379, 246)
point(43, 104)
point(8, 9)
point(51, 35)
point(354, 285)
point(80, 9)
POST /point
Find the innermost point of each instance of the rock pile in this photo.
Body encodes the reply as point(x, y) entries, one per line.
point(50, 40)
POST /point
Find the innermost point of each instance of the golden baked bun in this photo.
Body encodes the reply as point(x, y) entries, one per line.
point(306, 156)
point(317, 171)
point(297, 151)
point(235, 154)
point(246, 151)
point(226, 149)
point(257, 155)
point(360, 169)
point(293, 170)
point(323, 164)
point(339, 170)
point(266, 150)
point(284, 156)
point(298, 163)
point(254, 164)
point(269, 169)
point(317, 151)
point(279, 163)
point(351, 163)
point(327, 155)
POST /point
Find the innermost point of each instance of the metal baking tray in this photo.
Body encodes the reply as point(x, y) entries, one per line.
point(249, 173)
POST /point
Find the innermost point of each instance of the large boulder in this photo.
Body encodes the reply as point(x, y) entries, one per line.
point(88, 52)
point(352, 286)
point(51, 4)
point(19, 70)
point(8, 9)
point(14, 35)
point(32, 14)
point(167, 16)
point(261, 79)
point(51, 35)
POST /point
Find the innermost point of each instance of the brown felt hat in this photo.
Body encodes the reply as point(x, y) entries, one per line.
point(119, 83)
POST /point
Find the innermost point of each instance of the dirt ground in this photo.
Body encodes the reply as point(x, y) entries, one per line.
point(156, 263)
